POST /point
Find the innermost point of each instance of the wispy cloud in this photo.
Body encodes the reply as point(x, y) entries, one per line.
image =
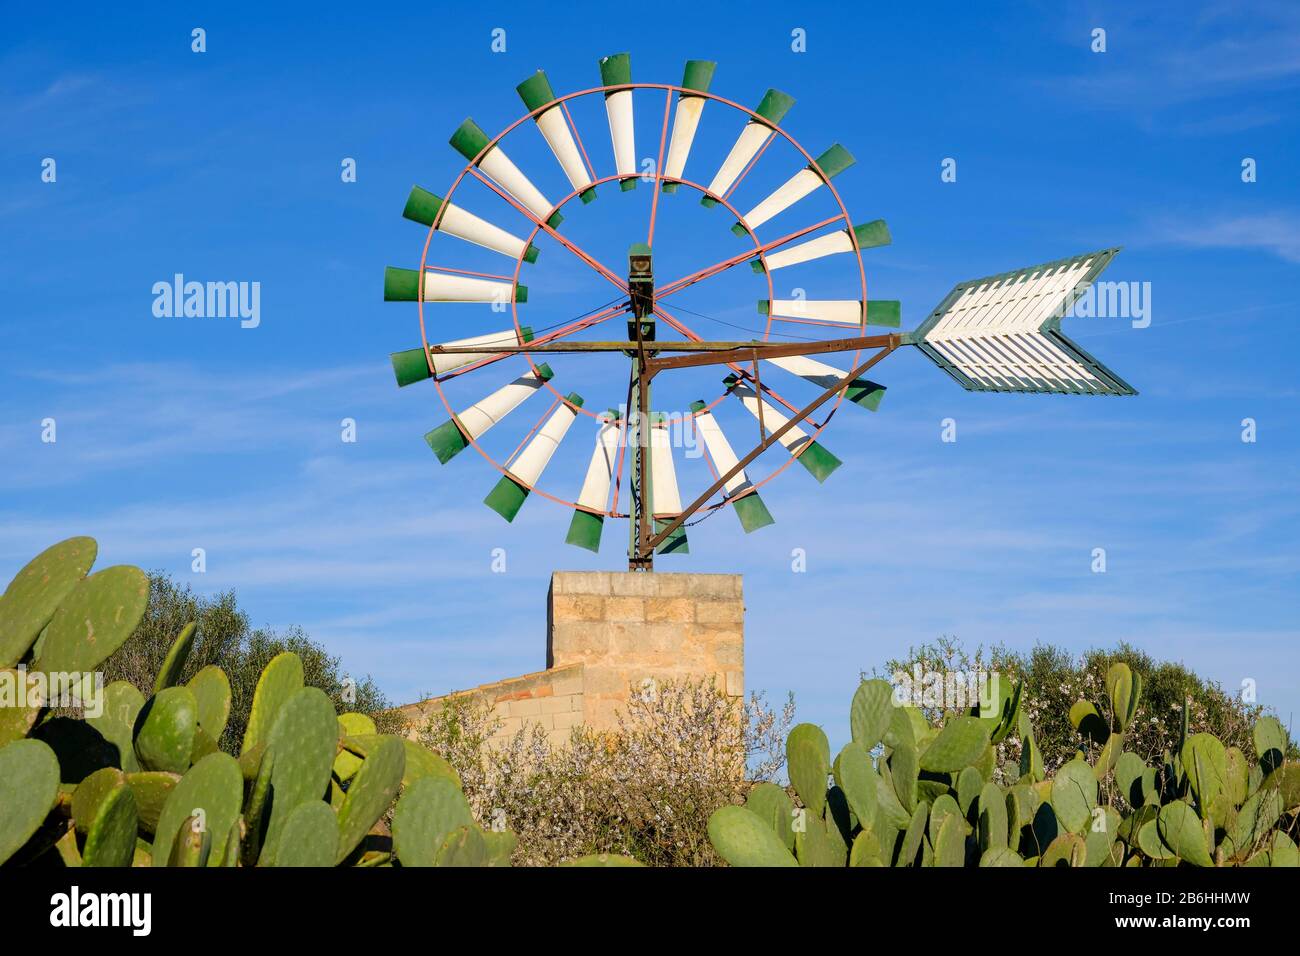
point(1160, 60)
point(1277, 233)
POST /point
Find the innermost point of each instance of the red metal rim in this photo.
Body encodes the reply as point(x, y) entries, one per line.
point(658, 179)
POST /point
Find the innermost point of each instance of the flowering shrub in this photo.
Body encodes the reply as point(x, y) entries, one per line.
point(646, 789)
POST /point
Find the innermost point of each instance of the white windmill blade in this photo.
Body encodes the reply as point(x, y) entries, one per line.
point(808, 180)
point(586, 526)
point(665, 498)
point(422, 206)
point(403, 285)
point(751, 511)
point(616, 70)
point(770, 110)
point(812, 455)
point(449, 439)
point(686, 120)
point(1002, 333)
point(867, 236)
point(411, 366)
point(510, 493)
point(860, 391)
point(537, 95)
point(469, 140)
point(883, 312)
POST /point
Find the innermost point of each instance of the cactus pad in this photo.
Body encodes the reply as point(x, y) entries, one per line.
point(29, 785)
point(212, 792)
point(35, 593)
point(311, 836)
point(428, 810)
point(280, 680)
point(370, 793)
point(959, 744)
point(99, 613)
point(742, 839)
point(164, 730)
point(170, 672)
point(304, 740)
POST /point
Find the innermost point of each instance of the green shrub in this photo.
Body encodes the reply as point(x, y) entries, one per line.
point(1053, 679)
point(224, 637)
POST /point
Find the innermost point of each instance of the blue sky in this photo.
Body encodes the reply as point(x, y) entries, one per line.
point(177, 433)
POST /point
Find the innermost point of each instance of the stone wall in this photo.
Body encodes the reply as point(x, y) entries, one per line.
point(608, 633)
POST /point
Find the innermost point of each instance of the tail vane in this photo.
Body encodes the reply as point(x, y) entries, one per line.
point(1002, 333)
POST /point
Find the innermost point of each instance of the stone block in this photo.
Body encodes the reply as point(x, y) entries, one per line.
point(634, 584)
point(525, 708)
point(662, 610)
point(720, 612)
point(577, 607)
point(566, 721)
point(556, 705)
point(624, 609)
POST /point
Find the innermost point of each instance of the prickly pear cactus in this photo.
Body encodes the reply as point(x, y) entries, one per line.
point(905, 794)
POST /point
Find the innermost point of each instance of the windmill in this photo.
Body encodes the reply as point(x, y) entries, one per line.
point(999, 333)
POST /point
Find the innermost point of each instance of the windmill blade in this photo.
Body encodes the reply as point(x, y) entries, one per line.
point(883, 312)
point(665, 498)
point(537, 94)
point(771, 109)
point(449, 439)
point(861, 391)
point(808, 180)
point(469, 140)
point(587, 525)
point(403, 285)
point(512, 490)
point(422, 206)
point(616, 70)
point(1002, 333)
point(867, 236)
point(698, 76)
point(749, 507)
point(411, 366)
point(812, 455)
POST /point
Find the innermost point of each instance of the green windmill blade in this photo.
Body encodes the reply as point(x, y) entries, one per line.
point(471, 142)
point(886, 313)
point(819, 462)
point(403, 285)
point(454, 435)
point(770, 110)
point(803, 183)
point(614, 71)
point(410, 366)
point(1002, 333)
point(424, 207)
point(861, 391)
point(665, 498)
point(686, 120)
point(749, 507)
point(589, 518)
point(866, 236)
point(549, 116)
point(510, 493)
